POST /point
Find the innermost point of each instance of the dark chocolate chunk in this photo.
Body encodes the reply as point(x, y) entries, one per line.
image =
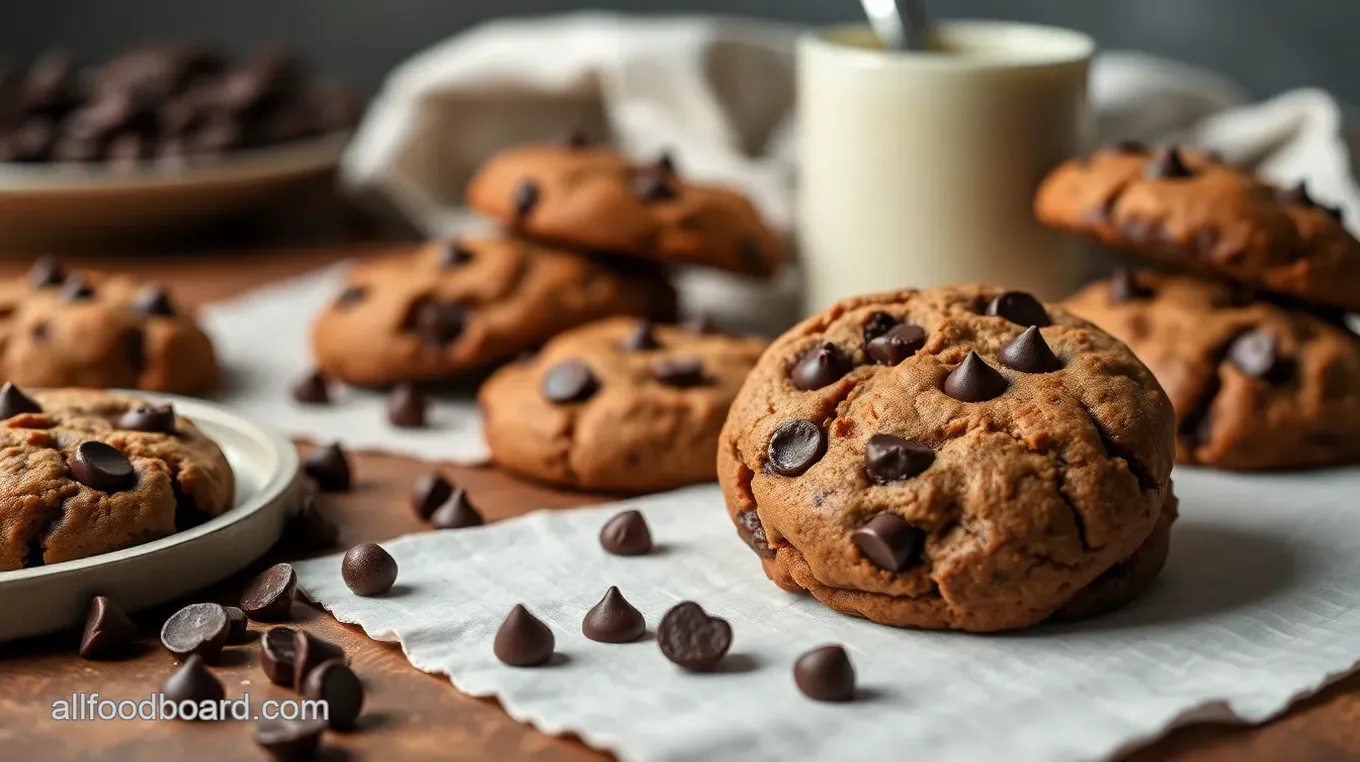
point(329, 466)
point(456, 512)
point(655, 182)
point(1127, 147)
point(199, 628)
point(368, 569)
point(307, 529)
point(692, 639)
point(102, 467)
point(626, 534)
point(821, 365)
point(641, 339)
point(527, 194)
point(889, 542)
point(569, 381)
point(237, 629)
point(1029, 353)
point(406, 407)
point(1166, 164)
point(680, 372)
point(796, 446)
point(14, 402)
point(153, 419)
point(269, 596)
point(47, 272)
point(613, 620)
point(896, 344)
point(276, 655)
point(154, 300)
point(308, 652)
point(336, 684)
point(1124, 287)
point(878, 324)
point(1019, 308)
point(752, 532)
point(1255, 353)
point(352, 295)
point(193, 682)
point(576, 138)
point(313, 389)
point(523, 640)
point(453, 255)
point(974, 381)
point(889, 458)
point(77, 289)
point(289, 740)
point(430, 491)
point(108, 631)
point(438, 323)
point(825, 674)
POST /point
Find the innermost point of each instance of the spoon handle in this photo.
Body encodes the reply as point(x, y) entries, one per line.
point(898, 24)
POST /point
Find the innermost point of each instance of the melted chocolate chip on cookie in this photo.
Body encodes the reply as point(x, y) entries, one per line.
point(820, 366)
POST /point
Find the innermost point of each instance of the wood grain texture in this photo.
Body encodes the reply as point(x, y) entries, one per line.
point(410, 715)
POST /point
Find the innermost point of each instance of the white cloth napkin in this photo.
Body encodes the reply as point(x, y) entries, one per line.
point(263, 339)
point(1259, 605)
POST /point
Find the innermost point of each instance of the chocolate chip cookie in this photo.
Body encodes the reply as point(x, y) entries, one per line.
point(459, 306)
point(621, 404)
point(86, 472)
point(1255, 385)
point(591, 197)
point(1187, 208)
point(958, 458)
point(100, 330)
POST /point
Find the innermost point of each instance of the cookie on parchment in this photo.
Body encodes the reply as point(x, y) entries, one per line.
point(591, 197)
point(1187, 208)
point(1256, 386)
point(459, 306)
point(957, 458)
point(621, 404)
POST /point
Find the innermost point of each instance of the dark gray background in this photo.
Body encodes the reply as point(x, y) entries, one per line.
point(1267, 45)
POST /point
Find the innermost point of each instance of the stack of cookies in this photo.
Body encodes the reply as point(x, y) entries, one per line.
point(615, 400)
point(1250, 343)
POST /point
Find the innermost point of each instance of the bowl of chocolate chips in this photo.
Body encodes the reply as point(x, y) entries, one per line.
point(159, 137)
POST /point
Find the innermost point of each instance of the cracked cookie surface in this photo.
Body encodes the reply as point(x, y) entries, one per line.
point(591, 197)
point(459, 306)
point(962, 458)
point(100, 330)
point(63, 498)
point(1184, 207)
point(617, 405)
point(1255, 386)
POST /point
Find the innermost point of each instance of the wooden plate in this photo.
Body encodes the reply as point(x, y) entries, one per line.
point(51, 598)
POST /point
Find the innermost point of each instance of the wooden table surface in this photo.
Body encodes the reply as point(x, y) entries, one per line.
point(410, 715)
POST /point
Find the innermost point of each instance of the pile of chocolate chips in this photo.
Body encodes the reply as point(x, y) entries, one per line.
point(163, 102)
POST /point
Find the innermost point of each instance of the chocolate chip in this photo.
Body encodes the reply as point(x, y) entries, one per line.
point(102, 467)
point(313, 389)
point(1124, 287)
point(681, 372)
point(576, 139)
point(330, 468)
point(351, 296)
point(665, 163)
point(276, 655)
point(821, 365)
point(154, 300)
point(108, 631)
point(430, 491)
point(527, 194)
point(289, 740)
point(641, 339)
point(569, 381)
point(752, 256)
point(974, 381)
point(701, 325)
point(1019, 308)
point(307, 529)
point(1166, 164)
point(523, 640)
point(613, 620)
point(308, 652)
point(889, 458)
point(889, 542)
point(825, 674)
point(77, 289)
point(1029, 353)
point(47, 272)
point(691, 638)
point(1296, 196)
point(14, 402)
point(1255, 353)
point(878, 324)
point(199, 628)
point(752, 532)
point(406, 407)
point(626, 534)
point(796, 446)
point(456, 512)
point(193, 682)
point(896, 344)
point(1127, 147)
point(269, 596)
point(237, 629)
point(337, 685)
point(438, 323)
point(153, 419)
point(454, 255)
point(369, 570)
point(655, 182)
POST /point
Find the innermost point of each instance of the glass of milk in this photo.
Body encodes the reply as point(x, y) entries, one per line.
point(919, 168)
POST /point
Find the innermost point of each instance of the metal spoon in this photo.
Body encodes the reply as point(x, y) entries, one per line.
point(898, 24)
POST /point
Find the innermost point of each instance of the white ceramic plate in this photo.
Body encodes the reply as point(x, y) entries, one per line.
point(62, 204)
point(51, 598)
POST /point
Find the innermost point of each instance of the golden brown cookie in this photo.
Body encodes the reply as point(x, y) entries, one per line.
point(1186, 208)
point(100, 330)
point(591, 197)
point(1255, 386)
point(86, 472)
point(617, 405)
point(459, 306)
point(957, 458)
